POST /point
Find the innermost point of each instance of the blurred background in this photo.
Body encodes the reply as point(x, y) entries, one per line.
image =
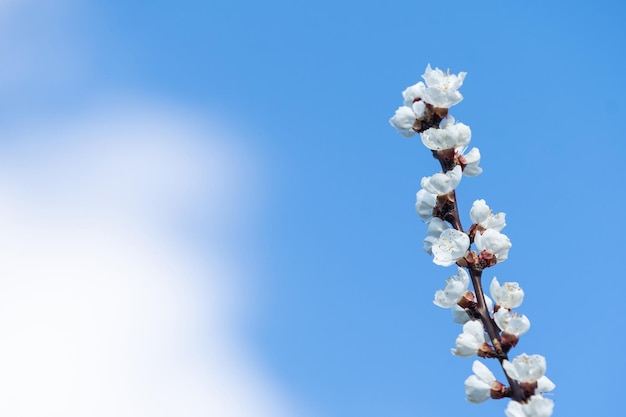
point(204, 210)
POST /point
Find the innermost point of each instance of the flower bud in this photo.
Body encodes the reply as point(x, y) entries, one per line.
point(498, 390)
point(486, 351)
point(508, 341)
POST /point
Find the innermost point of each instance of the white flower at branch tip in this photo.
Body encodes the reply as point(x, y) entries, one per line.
point(471, 161)
point(525, 368)
point(404, 118)
point(412, 93)
point(495, 242)
point(435, 227)
point(451, 245)
point(456, 286)
point(478, 386)
point(442, 87)
point(472, 338)
point(441, 183)
point(481, 214)
point(425, 204)
point(507, 295)
point(511, 323)
point(449, 135)
point(536, 406)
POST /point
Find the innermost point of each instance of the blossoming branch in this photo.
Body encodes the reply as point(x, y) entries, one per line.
point(490, 328)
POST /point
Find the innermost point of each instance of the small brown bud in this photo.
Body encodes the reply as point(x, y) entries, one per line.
point(528, 388)
point(418, 126)
point(444, 199)
point(498, 347)
point(486, 351)
point(467, 301)
point(470, 258)
point(498, 390)
point(508, 341)
point(487, 259)
point(441, 112)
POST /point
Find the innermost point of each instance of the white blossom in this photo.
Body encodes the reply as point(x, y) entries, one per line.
point(435, 227)
point(525, 368)
point(443, 183)
point(459, 315)
point(478, 386)
point(405, 117)
point(536, 406)
point(451, 245)
point(472, 338)
point(511, 323)
point(471, 161)
point(425, 204)
point(481, 214)
point(412, 93)
point(530, 369)
point(442, 87)
point(449, 135)
point(509, 295)
point(456, 286)
point(495, 242)
point(424, 105)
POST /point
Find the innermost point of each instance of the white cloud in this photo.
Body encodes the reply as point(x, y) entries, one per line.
point(105, 308)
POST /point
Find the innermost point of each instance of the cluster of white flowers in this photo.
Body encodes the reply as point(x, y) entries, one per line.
point(490, 328)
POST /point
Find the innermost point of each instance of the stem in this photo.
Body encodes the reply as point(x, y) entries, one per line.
point(452, 215)
point(492, 330)
point(447, 161)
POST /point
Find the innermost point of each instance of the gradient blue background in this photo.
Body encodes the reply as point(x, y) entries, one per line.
point(343, 315)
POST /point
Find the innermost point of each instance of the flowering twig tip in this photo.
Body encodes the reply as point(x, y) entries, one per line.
point(490, 329)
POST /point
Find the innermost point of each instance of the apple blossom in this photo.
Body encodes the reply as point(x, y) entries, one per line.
point(449, 135)
point(469, 161)
point(450, 246)
point(442, 87)
point(413, 93)
point(479, 387)
point(443, 183)
point(435, 227)
point(459, 314)
point(425, 203)
point(471, 340)
point(456, 286)
point(537, 406)
point(511, 323)
point(481, 214)
point(494, 242)
point(529, 370)
point(509, 295)
point(525, 368)
point(405, 117)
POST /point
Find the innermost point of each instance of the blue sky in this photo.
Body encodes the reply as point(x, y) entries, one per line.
point(240, 154)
